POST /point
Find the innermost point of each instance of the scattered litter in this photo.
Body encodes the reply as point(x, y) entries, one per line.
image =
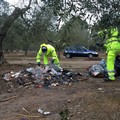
point(100, 89)
point(54, 84)
point(16, 74)
point(7, 76)
point(46, 113)
point(43, 112)
point(40, 111)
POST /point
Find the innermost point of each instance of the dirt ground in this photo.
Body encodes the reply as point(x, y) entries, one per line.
point(88, 99)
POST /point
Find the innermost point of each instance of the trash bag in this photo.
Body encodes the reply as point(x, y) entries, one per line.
point(96, 71)
point(103, 63)
point(56, 68)
point(99, 70)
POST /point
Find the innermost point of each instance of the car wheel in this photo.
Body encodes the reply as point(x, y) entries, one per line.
point(90, 55)
point(68, 56)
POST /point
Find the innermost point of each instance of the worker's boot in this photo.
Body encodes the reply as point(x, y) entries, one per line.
point(106, 78)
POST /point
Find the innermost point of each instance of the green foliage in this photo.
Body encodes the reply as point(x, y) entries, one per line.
point(43, 23)
point(64, 114)
point(14, 37)
point(75, 32)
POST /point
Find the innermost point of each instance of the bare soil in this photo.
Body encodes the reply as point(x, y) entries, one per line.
point(88, 99)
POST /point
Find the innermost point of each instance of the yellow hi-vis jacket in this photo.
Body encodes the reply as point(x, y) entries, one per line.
point(112, 38)
point(50, 53)
point(112, 49)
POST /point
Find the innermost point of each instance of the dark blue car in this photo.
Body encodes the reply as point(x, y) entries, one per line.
point(79, 51)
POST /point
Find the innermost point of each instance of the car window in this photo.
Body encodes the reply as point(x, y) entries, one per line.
point(73, 48)
point(83, 49)
point(79, 48)
point(76, 48)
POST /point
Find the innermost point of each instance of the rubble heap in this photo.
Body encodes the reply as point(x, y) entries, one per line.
point(42, 77)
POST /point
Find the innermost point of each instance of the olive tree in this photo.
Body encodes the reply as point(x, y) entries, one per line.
point(7, 24)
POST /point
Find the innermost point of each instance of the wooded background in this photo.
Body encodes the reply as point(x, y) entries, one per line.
point(58, 22)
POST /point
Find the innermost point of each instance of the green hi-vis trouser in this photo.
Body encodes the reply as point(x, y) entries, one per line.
point(114, 50)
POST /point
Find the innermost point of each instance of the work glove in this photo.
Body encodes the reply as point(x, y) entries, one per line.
point(38, 64)
point(52, 61)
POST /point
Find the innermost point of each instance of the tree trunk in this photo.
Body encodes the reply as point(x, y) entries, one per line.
point(8, 23)
point(26, 51)
point(2, 59)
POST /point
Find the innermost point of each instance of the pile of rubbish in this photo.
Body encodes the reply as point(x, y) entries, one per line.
point(99, 70)
point(42, 77)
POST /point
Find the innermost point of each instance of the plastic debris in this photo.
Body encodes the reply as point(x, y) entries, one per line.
point(43, 112)
point(56, 68)
point(98, 70)
point(7, 77)
point(38, 73)
point(100, 89)
point(31, 70)
point(16, 74)
point(46, 113)
point(42, 77)
point(40, 111)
